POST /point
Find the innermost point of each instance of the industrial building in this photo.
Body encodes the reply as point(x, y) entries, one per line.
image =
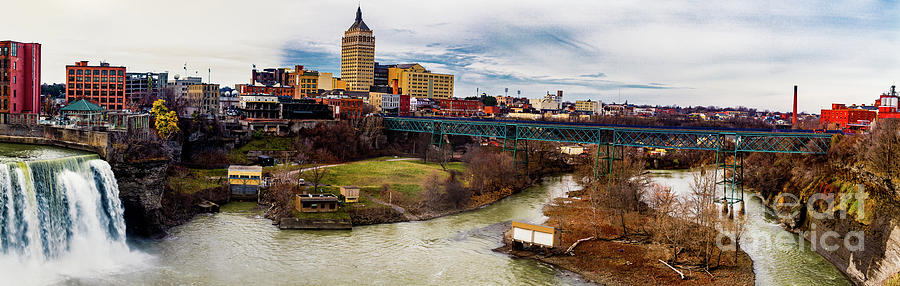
point(103, 85)
point(860, 117)
point(20, 77)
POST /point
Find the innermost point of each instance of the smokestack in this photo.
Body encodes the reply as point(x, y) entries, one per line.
point(396, 88)
point(795, 109)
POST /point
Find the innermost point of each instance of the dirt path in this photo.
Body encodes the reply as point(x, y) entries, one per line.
point(397, 208)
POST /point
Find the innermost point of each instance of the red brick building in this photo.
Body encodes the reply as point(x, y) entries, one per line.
point(103, 85)
point(20, 77)
point(345, 108)
point(459, 107)
point(404, 105)
point(277, 90)
point(840, 116)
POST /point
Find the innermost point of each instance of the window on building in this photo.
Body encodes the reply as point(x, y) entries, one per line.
point(104, 72)
point(71, 71)
point(79, 72)
point(96, 72)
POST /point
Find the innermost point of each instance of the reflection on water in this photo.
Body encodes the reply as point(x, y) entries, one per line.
point(779, 257)
point(238, 247)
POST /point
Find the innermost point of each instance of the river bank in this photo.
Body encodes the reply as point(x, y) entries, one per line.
point(780, 257)
point(630, 260)
point(399, 190)
point(450, 250)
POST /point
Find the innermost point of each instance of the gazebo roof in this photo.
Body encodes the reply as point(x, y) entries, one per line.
point(82, 105)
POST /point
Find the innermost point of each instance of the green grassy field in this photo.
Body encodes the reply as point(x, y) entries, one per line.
point(407, 175)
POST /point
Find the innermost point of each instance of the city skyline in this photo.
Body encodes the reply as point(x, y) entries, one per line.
point(726, 55)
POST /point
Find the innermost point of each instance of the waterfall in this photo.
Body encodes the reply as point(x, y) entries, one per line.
point(60, 219)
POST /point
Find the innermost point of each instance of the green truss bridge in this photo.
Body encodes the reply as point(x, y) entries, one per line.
point(729, 144)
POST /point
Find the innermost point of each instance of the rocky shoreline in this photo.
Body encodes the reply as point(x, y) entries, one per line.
point(626, 261)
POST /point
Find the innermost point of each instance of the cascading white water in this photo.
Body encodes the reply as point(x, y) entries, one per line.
point(61, 219)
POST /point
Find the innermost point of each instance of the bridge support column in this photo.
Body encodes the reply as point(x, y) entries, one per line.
point(729, 163)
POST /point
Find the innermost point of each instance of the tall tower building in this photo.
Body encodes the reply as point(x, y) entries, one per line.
point(358, 55)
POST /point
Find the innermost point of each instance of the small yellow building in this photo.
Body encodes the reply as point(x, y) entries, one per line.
point(350, 193)
point(244, 181)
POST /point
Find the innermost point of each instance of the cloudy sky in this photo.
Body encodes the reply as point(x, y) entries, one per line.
point(723, 53)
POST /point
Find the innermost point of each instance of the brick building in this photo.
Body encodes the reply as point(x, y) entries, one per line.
point(459, 107)
point(20, 77)
point(344, 107)
point(276, 90)
point(840, 116)
point(103, 85)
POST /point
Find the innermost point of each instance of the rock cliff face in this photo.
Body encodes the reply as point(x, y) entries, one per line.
point(141, 186)
point(875, 220)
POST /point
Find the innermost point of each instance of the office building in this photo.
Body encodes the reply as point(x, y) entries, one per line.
point(589, 107)
point(358, 55)
point(414, 80)
point(144, 88)
point(305, 82)
point(204, 98)
point(180, 86)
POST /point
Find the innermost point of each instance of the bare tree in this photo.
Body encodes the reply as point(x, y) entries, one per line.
point(442, 155)
point(703, 212)
point(884, 147)
point(318, 170)
point(456, 193)
point(434, 197)
point(626, 187)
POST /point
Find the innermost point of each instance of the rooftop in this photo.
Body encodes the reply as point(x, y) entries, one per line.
point(240, 168)
point(359, 24)
point(82, 105)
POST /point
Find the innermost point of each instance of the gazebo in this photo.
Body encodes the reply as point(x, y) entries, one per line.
point(83, 112)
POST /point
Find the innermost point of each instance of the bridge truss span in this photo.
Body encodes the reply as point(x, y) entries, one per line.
point(775, 141)
point(728, 144)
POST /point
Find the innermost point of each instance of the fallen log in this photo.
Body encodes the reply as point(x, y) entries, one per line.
point(571, 248)
point(673, 268)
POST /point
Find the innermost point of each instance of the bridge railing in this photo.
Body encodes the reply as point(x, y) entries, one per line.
point(650, 137)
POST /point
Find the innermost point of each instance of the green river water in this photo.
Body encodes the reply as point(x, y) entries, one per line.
point(239, 247)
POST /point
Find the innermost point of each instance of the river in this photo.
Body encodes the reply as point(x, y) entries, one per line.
point(778, 256)
point(238, 246)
